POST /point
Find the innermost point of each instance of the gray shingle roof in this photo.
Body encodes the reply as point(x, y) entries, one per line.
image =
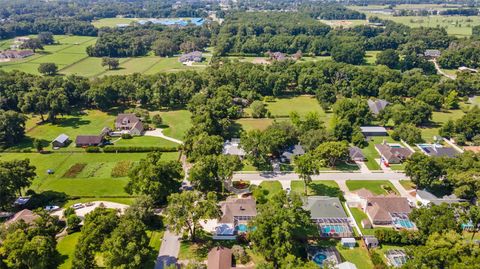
point(61, 138)
point(377, 105)
point(324, 207)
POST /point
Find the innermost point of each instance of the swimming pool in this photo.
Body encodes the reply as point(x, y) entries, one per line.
point(319, 258)
point(328, 229)
point(242, 228)
point(405, 223)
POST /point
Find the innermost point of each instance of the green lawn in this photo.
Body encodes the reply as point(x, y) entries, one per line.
point(438, 119)
point(66, 247)
point(273, 187)
point(125, 201)
point(371, 153)
point(282, 107)
point(359, 215)
point(358, 256)
point(371, 57)
point(375, 186)
point(407, 184)
point(248, 124)
point(317, 187)
point(145, 141)
point(94, 180)
point(176, 123)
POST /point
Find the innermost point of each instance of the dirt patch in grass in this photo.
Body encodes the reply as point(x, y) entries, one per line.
point(74, 170)
point(121, 168)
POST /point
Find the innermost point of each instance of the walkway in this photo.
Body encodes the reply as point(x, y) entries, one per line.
point(440, 71)
point(169, 250)
point(159, 133)
point(271, 176)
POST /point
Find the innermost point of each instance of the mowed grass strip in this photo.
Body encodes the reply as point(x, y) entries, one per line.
point(176, 123)
point(317, 187)
point(134, 65)
point(377, 187)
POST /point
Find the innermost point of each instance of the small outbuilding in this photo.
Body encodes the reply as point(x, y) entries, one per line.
point(373, 131)
point(370, 241)
point(349, 242)
point(61, 141)
point(366, 224)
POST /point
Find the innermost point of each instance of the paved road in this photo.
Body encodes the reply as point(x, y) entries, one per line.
point(169, 250)
point(159, 133)
point(323, 176)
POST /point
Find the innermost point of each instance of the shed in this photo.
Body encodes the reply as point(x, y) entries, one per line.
point(60, 141)
point(370, 241)
point(373, 131)
point(366, 224)
point(349, 242)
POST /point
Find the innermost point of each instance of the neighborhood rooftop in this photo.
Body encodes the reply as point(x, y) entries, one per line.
point(234, 208)
point(377, 105)
point(324, 207)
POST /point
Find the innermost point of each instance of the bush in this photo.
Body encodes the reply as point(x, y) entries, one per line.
point(69, 211)
point(121, 169)
point(157, 120)
point(73, 223)
point(240, 254)
point(139, 149)
point(92, 149)
point(127, 136)
point(377, 260)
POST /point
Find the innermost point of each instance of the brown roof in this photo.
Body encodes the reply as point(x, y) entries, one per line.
point(88, 139)
point(237, 207)
point(364, 193)
point(126, 120)
point(26, 215)
point(219, 258)
point(392, 154)
point(380, 208)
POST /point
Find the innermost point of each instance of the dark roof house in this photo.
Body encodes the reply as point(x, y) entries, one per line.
point(377, 105)
point(291, 152)
point(324, 207)
point(25, 215)
point(425, 197)
point(439, 151)
point(219, 258)
point(129, 122)
point(432, 53)
point(88, 140)
point(393, 154)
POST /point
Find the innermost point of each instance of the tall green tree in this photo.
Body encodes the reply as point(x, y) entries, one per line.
point(388, 57)
point(12, 127)
point(15, 175)
point(424, 171)
point(211, 172)
point(331, 153)
point(186, 209)
point(155, 178)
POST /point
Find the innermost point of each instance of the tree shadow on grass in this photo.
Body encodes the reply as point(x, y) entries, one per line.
point(74, 122)
point(324, 190)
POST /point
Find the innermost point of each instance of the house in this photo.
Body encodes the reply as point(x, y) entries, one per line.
point(291, 152)
point(25, 215)
point(437, 150)
point(432, 54)
point(276, 56)
point(236, 213)
point(388, 210)
point(219, 258)
point(232, 147)
point(349, 242)
point(194, 56)
point(377, 105)
point(88, 140)
point(16, 54)
point(370, 241)
point(328, 215)
point(346, 265)
point(356, 154)
point(425, 197)
point(368, 131)
point(61, 141)
point(129, 124)
point(392, 153)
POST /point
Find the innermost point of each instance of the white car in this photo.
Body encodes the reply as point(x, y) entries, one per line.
point(52, 207)
point(78, 206)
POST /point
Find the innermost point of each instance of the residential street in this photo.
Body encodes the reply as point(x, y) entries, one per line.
point(169, 250)
point(260, 176)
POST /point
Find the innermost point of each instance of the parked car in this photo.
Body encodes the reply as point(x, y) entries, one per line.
point(78, 206)
point(52, 207)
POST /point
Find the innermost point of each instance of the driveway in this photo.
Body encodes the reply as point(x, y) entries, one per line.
point(169, 250)
point(81, 212)
point(159, 133)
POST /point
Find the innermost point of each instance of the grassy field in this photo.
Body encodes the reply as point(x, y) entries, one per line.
point(176, 122)
point(66, 247)
point(93, 180)
point(358, 256)
point(375, 186)
point(359, 215)
point(344, 23)
point(318, 187)
point(438, 119)
point(145, 141)
point(407, 184)
point(273, 187)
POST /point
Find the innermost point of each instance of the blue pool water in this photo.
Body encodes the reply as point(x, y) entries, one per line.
point(404, 223)
point(242, 228)
point(333, 229)
point(319, 258)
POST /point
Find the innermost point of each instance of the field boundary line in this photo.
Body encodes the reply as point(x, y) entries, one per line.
point(152, 65)
point(55, 171)
point(105, 71)
point(59, 51)
point(74, 63)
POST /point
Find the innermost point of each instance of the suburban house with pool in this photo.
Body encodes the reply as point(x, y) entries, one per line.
point(392, 153)
point(232, 147)
point(437, 150)
point(236, 213)
point(329, 216)
point(389, 211)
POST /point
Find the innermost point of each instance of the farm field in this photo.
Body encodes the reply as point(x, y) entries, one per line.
point(377, 187)
point(94, 179)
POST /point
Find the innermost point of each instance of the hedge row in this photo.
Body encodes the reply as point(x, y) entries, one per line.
point(139, 149)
